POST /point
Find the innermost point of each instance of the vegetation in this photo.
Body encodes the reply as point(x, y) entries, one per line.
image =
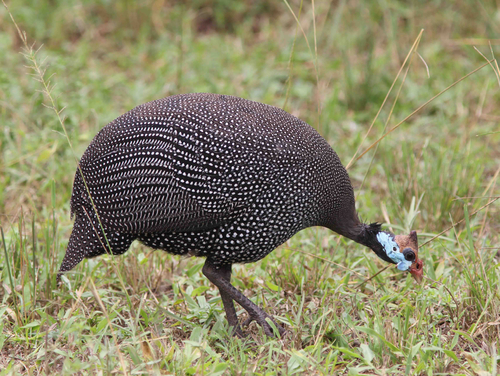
point(152, 313)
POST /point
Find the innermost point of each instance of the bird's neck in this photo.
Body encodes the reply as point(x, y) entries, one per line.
point(362, 233)
point(366, 234)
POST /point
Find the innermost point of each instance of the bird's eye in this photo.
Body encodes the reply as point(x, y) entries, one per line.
point(394, 249)
point(409, 254)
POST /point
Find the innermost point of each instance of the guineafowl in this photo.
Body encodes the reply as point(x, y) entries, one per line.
point(219, 177)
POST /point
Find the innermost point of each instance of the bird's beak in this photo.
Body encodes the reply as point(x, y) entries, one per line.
point(411, 241)
point(417, 270)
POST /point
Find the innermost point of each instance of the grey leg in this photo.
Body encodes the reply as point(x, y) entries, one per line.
point(227, 301)
point(220, 276)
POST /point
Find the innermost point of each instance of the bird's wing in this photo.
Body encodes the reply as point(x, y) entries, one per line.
point(170, 182)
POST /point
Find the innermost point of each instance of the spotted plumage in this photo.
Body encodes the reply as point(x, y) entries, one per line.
point(213, 176)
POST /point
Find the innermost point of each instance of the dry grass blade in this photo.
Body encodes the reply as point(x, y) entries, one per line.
point(391, 111)
point(313, 54)
point(288, 82)
point(326, 260)
point(304, 35)
point(373, 276)
point(457, 223)
point(426, 66)
point(342, 266)
point(495, 68)
point(419, 109)
point(408, 55)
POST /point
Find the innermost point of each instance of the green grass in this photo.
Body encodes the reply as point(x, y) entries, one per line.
point(433, 171)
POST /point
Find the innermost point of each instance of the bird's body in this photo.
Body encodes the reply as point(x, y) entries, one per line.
point(180, 176)
point(212, 176)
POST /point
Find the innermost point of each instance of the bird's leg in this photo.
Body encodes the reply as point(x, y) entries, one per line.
point(227, 301)
point(221, 279)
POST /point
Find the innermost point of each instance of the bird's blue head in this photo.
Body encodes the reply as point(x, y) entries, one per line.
point(391, 249)
point(403, 251)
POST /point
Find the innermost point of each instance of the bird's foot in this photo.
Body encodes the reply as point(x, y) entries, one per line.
point(261, 317)
point(237, 332)
point(220, 276)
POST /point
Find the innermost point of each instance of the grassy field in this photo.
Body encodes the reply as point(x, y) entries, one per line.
point(152, 313)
